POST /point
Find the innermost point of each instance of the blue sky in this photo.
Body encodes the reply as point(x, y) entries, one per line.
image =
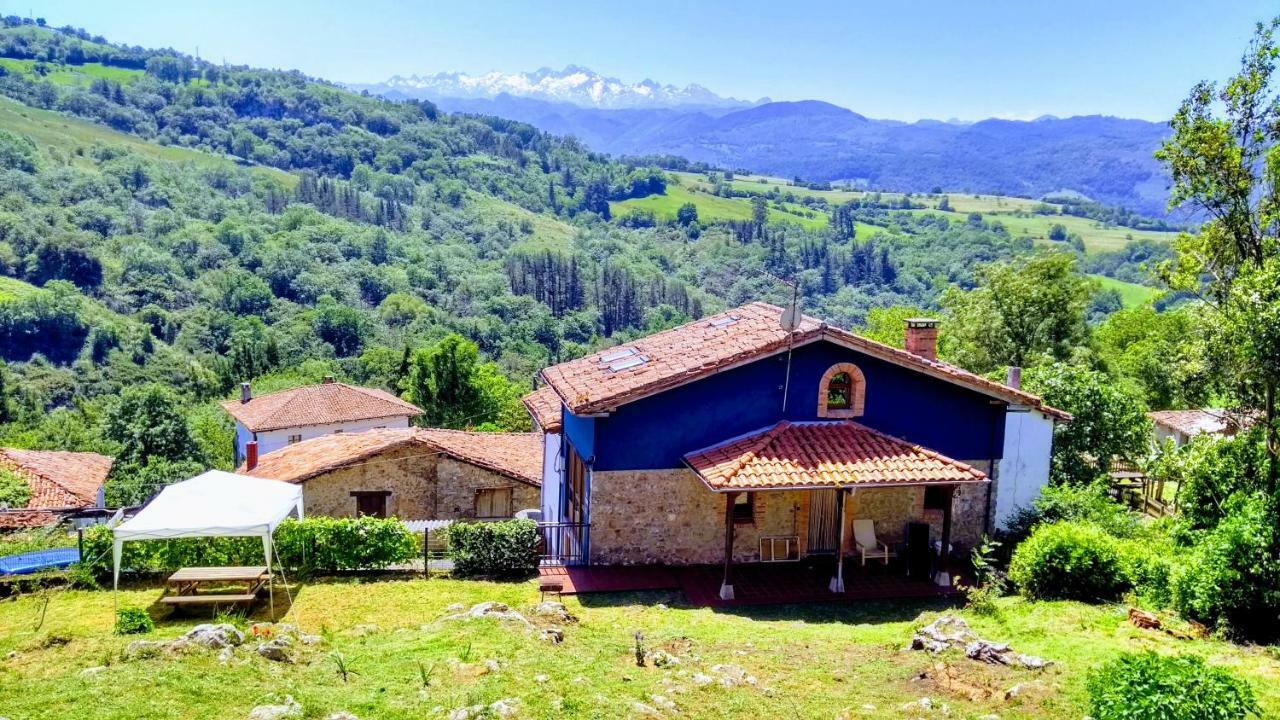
point(905, 60)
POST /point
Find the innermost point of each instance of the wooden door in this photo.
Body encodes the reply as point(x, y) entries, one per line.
point(373, 503)
point(823, 533)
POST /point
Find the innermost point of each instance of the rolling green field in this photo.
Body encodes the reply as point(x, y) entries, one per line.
point(1015, 213)
point(81, 75)
point(1131, 294)
point(75, 137)
point(404, 660)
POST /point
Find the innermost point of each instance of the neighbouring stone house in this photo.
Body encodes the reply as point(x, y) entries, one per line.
point(734, 438)
point(411, 473)
point(60, 483)
point(278, 419)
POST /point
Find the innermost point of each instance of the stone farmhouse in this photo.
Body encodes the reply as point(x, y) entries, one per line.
point(283, 418)
point(758, 436)
point(411, 473)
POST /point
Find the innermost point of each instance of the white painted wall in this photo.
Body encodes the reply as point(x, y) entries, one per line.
point(276, 439)
point(552, 477)
point(1024, 470)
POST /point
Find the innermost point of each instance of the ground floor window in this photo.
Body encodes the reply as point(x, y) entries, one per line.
point(371, 502)
point(295, 439)
point(493, 503)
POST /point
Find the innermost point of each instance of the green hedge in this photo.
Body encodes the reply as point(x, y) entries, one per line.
point(317, 544)
point(1069, 561)
point(505, 549)
point(1148, 686)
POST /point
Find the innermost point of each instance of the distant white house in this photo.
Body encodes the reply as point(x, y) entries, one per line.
point(290, 416)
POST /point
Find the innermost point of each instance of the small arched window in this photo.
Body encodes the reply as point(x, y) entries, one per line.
point(842, 392)
point(839, 392)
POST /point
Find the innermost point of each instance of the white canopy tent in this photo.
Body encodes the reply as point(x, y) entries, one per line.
point(213, 504)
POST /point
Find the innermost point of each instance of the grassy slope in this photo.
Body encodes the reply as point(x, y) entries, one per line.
point(74, 138)
point(1015, 213)
point(810, 661)
point(81, 75)
point(1131, 294)
point(714, 208)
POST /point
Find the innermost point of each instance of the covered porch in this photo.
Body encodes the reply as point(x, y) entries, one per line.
point(835, 476)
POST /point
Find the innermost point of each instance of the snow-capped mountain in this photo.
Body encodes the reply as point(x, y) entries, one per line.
point(574, 85)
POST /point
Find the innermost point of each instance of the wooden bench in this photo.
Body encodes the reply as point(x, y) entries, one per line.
point(187, 583)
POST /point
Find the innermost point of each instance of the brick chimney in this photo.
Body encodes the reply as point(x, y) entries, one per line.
point(1014, 378)
point(245, 393)
point(922, 337)
point(329, 380)
point(251, 455)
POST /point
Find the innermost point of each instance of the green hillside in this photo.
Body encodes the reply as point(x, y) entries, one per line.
point(1131, 294)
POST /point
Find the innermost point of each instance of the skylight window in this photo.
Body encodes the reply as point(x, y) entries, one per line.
point(724, 322)
point(617, 355)
point(628, 363)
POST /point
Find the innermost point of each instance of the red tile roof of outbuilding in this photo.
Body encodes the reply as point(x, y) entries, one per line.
point(514, 455)
point(824, 455)
point(324, 404)
point(602, 381)
point(545, 407)
point(58, 479)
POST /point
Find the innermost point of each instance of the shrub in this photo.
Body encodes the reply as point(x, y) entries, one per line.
point(15, 492)
point(1086, 503)
point(1147, 686)
point(497, 549)
point(133, 621)
point(1231, 579)
point(1068, 561)
point(315, 544)
point(1147, 566)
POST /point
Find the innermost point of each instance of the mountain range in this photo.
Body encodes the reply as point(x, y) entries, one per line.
point(1106, 159)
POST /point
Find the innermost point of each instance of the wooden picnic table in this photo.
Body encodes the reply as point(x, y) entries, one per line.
point(187, 583)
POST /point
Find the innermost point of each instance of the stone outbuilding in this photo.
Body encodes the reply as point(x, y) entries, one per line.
point(412, 473)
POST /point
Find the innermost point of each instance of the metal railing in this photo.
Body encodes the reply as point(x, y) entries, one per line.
point(562, 543)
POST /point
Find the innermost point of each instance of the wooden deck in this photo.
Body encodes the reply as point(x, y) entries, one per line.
point(754, 583)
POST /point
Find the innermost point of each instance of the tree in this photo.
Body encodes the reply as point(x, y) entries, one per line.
point(687, 214)
point(341, 326)
point(6, 413)
point(1161, 354)
point(1058, 232)
point(1223, 157)
point(442, 381)
point(148, 423)
point(1107, 421)
point(1024, 312)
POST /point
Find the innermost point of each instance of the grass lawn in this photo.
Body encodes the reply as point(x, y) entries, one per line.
point(1131, 294)
point(712, 208)
point(820, 661)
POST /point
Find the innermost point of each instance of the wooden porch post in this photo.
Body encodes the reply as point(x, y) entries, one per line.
point(943, 577)
point(726, 586)
point(837, 582)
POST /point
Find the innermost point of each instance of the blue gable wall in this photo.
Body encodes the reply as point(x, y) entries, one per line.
point(657, 431)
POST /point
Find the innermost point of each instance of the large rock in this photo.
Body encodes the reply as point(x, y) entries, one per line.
point(494, 610)
point(214, 636)
point(554, 610)
point(289, 709)
point(143, 649)
point(276, 650)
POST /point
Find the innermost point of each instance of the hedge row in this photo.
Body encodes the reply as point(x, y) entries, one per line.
point(317, 544)
point(504, 549)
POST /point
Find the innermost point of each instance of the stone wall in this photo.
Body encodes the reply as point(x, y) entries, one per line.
point(404, 471)
point(457, 483)
point(423, 486)
point(670, 516)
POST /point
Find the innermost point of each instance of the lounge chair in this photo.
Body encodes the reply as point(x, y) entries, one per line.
point(864, 536)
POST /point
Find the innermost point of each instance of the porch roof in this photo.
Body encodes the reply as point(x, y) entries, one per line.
point(813, 455)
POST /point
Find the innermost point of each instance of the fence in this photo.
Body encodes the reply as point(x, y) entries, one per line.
point(562, 543)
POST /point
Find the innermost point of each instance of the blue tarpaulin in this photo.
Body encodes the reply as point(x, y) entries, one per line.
point(27, 563)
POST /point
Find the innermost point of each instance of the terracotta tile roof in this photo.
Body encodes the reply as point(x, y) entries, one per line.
point(602, 381)
point(515, 455)
point(22, 519)
point(1197, 421)
point(322, 404)
point(59, 479)
point(544, 405)
point(821, 455)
